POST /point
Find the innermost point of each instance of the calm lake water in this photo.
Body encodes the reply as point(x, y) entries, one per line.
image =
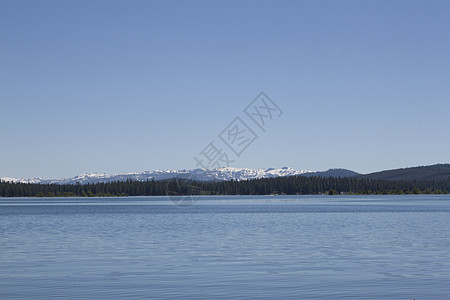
point(274, 247)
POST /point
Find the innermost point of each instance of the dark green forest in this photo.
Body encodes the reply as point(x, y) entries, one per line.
point(434, 172)
point(294, 185)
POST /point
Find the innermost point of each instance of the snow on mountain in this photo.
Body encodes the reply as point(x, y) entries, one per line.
point(226, 173)
point(21, 180)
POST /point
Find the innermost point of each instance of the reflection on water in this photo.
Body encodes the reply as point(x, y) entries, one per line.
point(302, 247)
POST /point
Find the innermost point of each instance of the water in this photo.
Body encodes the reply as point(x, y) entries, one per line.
point(274, 247)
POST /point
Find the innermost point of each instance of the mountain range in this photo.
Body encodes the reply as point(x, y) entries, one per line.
point(434, 172)
point(226, 173)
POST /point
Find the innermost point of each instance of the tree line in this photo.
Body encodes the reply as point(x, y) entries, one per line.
point(292, 185)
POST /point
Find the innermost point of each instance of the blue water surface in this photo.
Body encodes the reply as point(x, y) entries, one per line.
point(226, 247)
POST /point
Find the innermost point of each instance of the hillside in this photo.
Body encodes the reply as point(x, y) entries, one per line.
point(290, 185)
point(434, 172)
point(333, 173)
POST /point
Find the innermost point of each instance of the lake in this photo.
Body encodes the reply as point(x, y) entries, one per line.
point(226, 247)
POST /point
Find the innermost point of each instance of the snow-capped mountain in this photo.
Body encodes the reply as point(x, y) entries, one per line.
point(226, 173)
point(22, 180)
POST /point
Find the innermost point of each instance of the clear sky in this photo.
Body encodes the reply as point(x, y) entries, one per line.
point(115, 86)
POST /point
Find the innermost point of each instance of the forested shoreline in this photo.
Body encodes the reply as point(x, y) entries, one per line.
point(293, 185)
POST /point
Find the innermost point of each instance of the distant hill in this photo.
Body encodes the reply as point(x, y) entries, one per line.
point(333, 173)
point(441, 171)
point(437, 172)
point(219, 174)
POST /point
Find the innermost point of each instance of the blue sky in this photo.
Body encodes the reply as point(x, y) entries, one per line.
point(113, 86)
